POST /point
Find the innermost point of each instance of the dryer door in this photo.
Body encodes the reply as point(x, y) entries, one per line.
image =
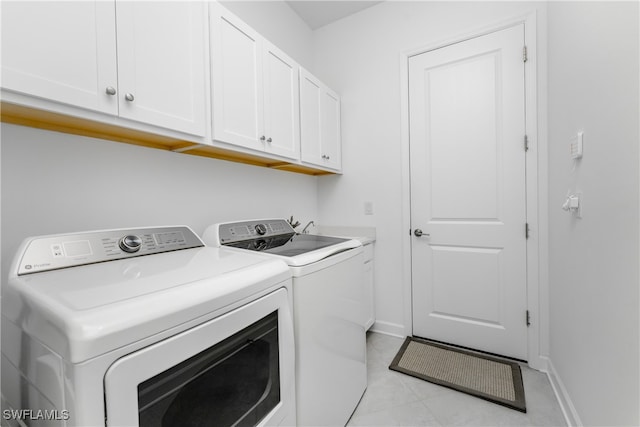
point(236, 369)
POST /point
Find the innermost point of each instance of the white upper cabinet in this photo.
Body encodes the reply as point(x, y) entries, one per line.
point(236, 74)
point(66, 52)
point(161, 63)
point(61, 51)
point(138, 72)
point(281, 103)
point(319, 123)
point(255, 99)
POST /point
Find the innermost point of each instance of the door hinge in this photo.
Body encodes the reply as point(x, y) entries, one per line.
point(528, 318)
point(526, 143)
point(524, 54)
point(526, 230)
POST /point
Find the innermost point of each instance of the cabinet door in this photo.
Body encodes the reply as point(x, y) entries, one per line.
point(319, 123)
point(330, 129)
point(281, 103)
point(61, 51)
point(161, 65)
point(310, 108)
point(236, 74)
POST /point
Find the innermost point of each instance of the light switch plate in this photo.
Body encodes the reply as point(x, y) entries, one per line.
point(575, 146)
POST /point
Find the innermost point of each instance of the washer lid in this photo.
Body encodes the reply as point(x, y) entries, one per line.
point(300, 249)
point(86, 311)
point(276, 237)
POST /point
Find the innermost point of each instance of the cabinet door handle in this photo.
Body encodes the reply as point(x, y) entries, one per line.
point(110, 90)
point(269, 140)
point(129, 97)
point(262, 138)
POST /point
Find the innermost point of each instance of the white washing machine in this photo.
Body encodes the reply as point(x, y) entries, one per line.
point(329, 312)
point(146, 327)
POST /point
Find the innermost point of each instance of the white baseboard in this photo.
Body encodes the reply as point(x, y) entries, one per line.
point(568, 410)
point(539, 363)
point(388, 328)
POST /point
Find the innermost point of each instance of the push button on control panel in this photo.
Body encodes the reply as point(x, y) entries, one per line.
point(130, 243)
point(56, 250)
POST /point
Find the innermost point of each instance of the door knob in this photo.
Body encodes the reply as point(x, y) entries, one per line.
point(129, 97)
point(418, 233)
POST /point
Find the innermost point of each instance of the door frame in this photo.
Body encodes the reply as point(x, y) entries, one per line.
point(536, 185)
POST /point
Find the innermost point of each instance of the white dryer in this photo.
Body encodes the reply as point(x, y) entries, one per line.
point(146, 327)
point(329, 312)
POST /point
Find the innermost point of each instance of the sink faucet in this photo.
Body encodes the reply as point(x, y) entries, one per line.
point(304, 230)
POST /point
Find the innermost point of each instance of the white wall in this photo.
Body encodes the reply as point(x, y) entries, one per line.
point(593, 86)
point(359, 57)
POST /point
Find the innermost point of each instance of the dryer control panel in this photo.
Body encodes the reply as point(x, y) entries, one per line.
point(70, 250)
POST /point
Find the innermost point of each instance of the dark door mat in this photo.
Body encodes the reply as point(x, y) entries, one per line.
point(487, 377)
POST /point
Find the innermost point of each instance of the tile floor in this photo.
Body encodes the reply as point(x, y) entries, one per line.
point(395, 399)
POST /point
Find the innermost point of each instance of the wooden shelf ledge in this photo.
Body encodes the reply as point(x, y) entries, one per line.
point(26, 116)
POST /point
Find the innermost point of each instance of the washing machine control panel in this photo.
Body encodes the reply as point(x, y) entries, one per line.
point(70, 250)
point(248, 230)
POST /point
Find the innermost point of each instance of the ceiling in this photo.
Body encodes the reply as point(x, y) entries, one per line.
point(319, 13)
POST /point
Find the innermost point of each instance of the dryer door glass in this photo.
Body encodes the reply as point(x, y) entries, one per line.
point(235, 382)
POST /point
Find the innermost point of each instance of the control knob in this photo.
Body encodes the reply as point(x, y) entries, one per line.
point(260, 245)
point(130, 243)
point(261, 229)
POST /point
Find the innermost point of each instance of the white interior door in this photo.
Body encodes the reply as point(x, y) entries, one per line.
point(467, 123)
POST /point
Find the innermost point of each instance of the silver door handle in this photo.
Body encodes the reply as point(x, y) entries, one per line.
point(129, 97)
point(418, 233)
